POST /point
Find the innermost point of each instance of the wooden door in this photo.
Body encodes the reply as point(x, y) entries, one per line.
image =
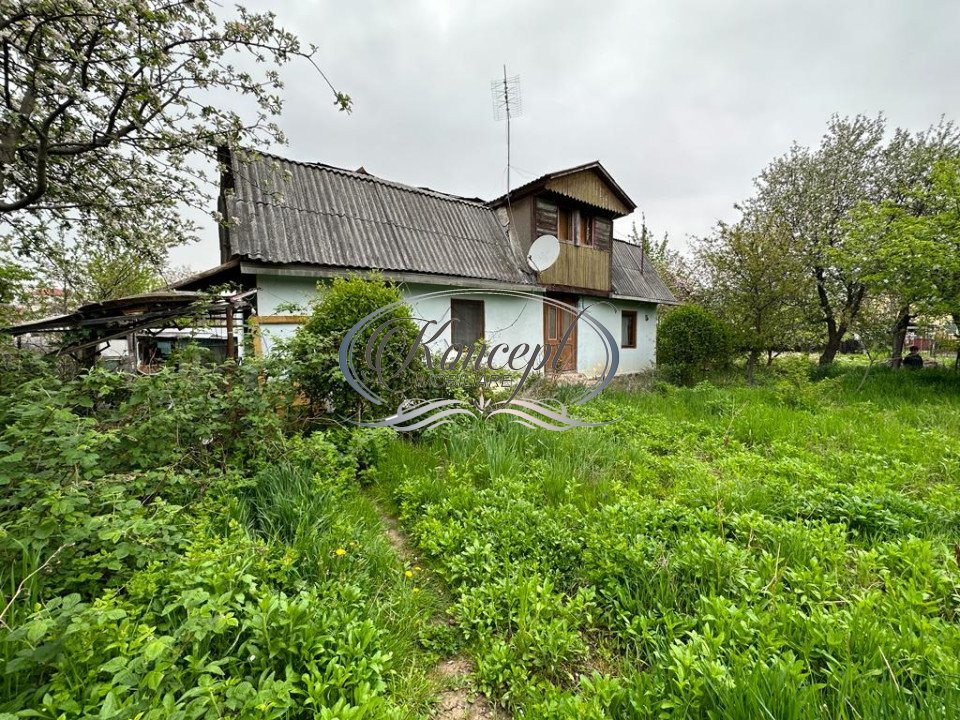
point(556, 323)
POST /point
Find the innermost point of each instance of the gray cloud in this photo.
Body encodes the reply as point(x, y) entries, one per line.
point(684, 102)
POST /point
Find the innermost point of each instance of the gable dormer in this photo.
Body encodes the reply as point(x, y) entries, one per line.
point(578, 206)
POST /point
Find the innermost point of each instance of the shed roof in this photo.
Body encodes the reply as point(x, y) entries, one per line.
point(634, 276)
point(283, 211)
point(96, 313)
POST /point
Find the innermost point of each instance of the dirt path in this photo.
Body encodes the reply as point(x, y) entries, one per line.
point(456, 701)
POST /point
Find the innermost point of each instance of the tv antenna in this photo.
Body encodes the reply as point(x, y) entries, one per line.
point(507, 104)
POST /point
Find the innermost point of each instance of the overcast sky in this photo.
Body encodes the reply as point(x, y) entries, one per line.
point(683, 101)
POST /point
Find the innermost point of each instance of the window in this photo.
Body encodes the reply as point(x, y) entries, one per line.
point(553, 327)
point(573, 226)
point(564, 225)
point(467, 316)
point(585, 230)
point(602, 233)
point(628, 329)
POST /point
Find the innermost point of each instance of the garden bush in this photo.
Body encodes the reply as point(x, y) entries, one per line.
point(313, 352)
point(692, 342)
point(312, 356)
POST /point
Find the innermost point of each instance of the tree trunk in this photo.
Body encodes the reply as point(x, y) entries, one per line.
point(899, 336)
point(850, 308)
point(769, 358)
point(87, 357)
point(835, 335)
point(752, 358)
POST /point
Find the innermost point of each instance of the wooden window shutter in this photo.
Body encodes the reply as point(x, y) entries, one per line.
point(546, 218)
point(603, 234)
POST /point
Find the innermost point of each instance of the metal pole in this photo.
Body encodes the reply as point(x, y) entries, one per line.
point(506, 98)
point(230, 341)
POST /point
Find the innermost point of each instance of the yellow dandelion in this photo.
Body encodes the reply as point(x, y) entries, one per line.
point(340, 552)
point(417, 568)
point(416, 589)
point(408, 573)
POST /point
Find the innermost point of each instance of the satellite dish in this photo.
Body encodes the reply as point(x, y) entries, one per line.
point(543, 253)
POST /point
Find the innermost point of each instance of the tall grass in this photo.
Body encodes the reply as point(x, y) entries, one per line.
point(334, 535)
point(782, 551)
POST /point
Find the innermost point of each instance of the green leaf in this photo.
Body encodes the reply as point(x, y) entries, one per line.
point(109, 707)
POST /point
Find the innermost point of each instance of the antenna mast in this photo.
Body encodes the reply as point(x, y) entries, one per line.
point(507, 105)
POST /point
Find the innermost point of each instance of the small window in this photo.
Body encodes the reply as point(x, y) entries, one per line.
point(628, 329)
point(585, 230)
point(546, 218)
point(565, 225)
point(602, 233)
point(552, 322)
point(467, 316)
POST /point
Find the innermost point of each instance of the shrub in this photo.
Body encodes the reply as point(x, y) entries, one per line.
point(17, 366)
point(313, 353)
point(691, 342)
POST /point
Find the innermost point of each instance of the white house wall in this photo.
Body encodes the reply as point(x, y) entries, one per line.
point(507, 319)
point(511, 320)
point(590, 355)
point(275, 291)
point(275, 296)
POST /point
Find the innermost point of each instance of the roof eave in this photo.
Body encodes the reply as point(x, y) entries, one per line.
point(655, 301)
point(253, 267)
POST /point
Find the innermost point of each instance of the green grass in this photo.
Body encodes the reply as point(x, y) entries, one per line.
point(787, 550)
point(150, 571)
point(777, 551)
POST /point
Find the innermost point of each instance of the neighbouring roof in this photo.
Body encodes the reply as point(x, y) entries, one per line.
point(114, 318)
point(634, 276)
point(228, 272)
point(283, 211)
point(102, 312)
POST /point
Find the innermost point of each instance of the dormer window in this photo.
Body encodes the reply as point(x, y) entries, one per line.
point(565, 225)
point(585, 229)
point(577, 226)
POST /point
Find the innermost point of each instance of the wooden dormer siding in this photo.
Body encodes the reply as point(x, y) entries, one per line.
point(588, 187)
point(584, 262)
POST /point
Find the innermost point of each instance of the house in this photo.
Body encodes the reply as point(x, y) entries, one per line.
point(292, 224)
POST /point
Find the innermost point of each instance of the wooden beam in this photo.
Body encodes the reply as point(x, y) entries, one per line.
point(279, 319)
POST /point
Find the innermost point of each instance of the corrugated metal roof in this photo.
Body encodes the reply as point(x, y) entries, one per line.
point(634, 277)
point(292, 212)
